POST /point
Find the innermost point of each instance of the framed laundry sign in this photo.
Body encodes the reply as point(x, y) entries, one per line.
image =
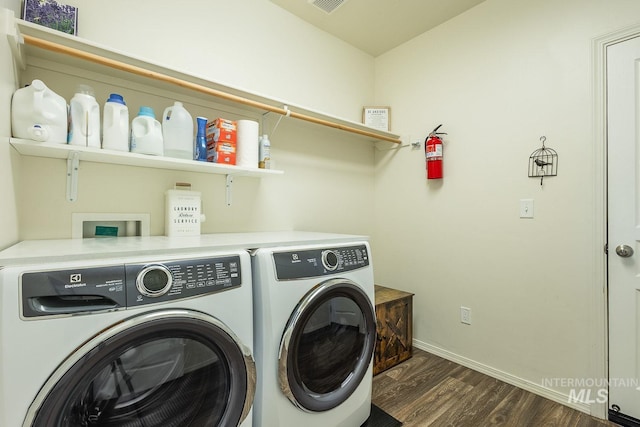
point(377, 117)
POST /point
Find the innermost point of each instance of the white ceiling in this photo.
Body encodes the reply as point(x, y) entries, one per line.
point(376, 26)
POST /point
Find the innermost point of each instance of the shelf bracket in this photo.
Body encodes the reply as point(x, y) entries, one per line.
point(73, 164)
point(229, 187)
point(16, 42)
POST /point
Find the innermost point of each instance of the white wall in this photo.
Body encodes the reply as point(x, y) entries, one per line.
point(8, 210)
point(498, 77)
point(328, 180)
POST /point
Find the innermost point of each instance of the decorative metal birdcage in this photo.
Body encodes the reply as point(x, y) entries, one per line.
point(543, 162)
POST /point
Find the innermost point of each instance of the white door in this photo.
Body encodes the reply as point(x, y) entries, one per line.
point(623, 148)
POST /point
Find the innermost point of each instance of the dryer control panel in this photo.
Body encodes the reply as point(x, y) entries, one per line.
point(304, 264)
point(65, 292)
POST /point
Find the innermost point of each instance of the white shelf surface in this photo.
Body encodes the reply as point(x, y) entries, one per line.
point(65, 151)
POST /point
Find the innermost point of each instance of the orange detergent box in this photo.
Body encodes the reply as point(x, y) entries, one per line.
point(222, 136)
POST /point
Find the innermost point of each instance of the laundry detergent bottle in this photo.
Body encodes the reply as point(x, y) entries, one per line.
point(146, 133)
point(177, 132)
point(115, 124)
point(39, 114)
point(84, 115)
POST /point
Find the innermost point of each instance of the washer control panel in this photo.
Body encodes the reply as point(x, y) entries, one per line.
point(303, 264)
point(172, 280)
point(66, 292)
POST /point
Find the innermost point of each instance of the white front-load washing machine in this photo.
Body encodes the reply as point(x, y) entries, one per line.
point(315, 333)
point(137, 337)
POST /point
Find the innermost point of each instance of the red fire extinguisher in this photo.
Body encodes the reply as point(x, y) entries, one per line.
point(433, 154)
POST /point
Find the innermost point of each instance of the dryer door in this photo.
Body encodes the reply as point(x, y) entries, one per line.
point(327, 346)
point(163, 368)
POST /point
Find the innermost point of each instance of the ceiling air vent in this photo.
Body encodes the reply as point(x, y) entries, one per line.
point(327, 6)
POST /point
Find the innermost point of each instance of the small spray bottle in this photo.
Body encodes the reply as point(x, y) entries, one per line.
point(264, 152)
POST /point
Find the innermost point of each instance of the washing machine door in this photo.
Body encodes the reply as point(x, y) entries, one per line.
point(327, 345)
point(163, 368)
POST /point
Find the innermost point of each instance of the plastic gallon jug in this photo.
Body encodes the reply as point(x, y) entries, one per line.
point(177, 132)
point(146, 133)
point(84, 114)
point(115, 124)
point(39, 114)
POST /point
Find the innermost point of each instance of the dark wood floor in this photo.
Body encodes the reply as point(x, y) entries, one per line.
point(428, 390)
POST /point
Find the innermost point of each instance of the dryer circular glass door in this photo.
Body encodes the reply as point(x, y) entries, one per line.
point(327, 345)
point(163, 368)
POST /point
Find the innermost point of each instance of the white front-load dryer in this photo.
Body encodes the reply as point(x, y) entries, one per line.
point(315, 333)
point(143, 338)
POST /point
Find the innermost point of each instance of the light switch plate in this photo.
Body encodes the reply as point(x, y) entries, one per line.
point(526, 208)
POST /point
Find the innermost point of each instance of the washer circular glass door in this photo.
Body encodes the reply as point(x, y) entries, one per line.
point(162, 368)
point(327, 345)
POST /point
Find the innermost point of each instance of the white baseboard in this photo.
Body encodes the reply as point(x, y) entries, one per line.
point(527, 385)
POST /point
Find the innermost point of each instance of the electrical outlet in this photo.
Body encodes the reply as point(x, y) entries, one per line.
point(465, 315)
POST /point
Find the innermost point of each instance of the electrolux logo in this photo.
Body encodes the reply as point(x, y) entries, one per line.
point(75, 281)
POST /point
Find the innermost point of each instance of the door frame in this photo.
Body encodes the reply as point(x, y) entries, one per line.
point(598, 322)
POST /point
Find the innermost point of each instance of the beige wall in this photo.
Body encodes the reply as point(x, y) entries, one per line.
point(252, 44)
point(327, 183)
point(328, 180)
point(498, 77)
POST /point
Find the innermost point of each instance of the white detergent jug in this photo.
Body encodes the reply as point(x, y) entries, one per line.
point(39, 114)
point(146, 133)
point(177, 132)
point(115, 124)
point(84, 114)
